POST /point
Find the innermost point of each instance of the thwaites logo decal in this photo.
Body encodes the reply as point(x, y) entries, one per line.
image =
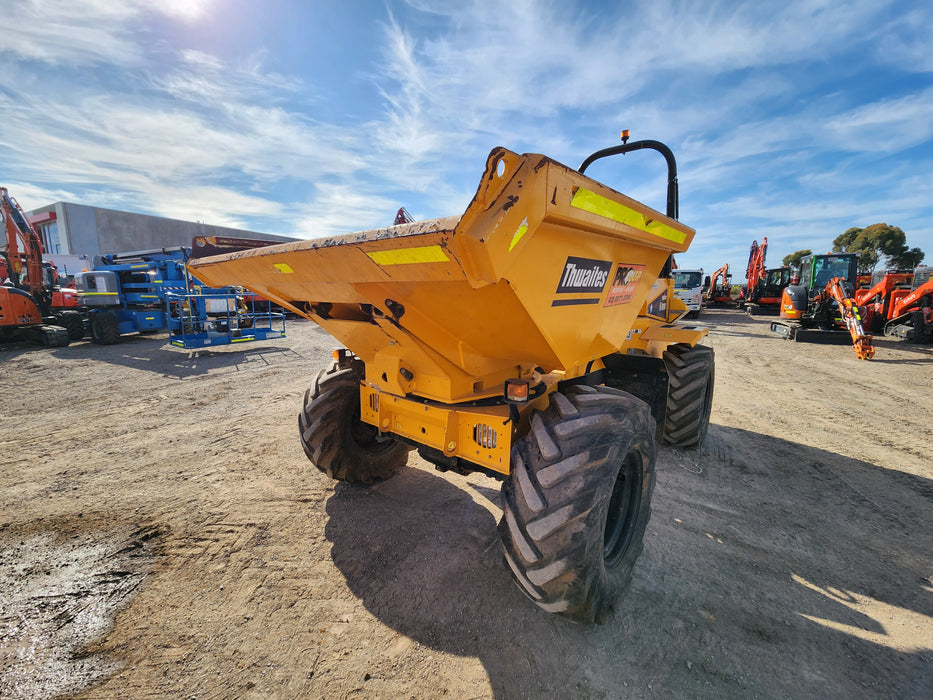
point(582, 276)
point(624, 284)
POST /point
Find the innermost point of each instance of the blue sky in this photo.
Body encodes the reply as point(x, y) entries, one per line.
point(791, 120)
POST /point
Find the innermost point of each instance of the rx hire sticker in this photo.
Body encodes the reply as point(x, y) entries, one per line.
point(624, 284)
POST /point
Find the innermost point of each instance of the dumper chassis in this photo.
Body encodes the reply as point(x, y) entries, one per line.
point(535, 339)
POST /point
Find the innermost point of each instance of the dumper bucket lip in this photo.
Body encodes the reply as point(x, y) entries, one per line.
point(439, 225)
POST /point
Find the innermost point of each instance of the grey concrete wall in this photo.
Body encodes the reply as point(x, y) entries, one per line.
point(90, 231)
point(77, 228)
point(120, 231)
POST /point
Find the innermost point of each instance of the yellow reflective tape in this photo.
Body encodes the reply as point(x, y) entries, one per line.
point(98, 294)
point(407, 256)
point(517, 236)
point(284, 268)
point(148, 296)
point(601, 206)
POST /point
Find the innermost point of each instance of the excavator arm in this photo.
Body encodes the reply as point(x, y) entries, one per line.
point(756, 263)
point(18, 233)
point(755, 272)
point(861, 341)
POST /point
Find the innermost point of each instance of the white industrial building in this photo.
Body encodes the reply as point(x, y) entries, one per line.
point(72, 234)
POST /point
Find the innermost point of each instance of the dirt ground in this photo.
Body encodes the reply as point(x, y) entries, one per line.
point(163, 535)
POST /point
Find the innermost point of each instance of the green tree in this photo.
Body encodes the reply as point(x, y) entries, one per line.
point(793, 260)
point(878, 242)
point(856, 240)
point(908, 260)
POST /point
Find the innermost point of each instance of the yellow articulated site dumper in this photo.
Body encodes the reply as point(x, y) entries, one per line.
point(533, 338)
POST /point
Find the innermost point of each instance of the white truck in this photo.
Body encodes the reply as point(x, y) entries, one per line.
point(688, 285)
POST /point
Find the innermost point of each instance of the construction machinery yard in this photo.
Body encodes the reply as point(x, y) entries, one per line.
point(537, 342)
point(164, 534)
point(131, 292)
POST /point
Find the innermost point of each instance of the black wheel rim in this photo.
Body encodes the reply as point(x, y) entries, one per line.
point(622, 512)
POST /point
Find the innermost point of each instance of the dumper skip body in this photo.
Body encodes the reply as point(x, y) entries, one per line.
point(480, 339)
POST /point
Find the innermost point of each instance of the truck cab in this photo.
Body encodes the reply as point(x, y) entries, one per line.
point(688, 285)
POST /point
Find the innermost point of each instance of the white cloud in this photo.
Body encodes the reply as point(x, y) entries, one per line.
point(337, 209)
point(204, 79)
point(184, 10)
point(905, 41)
point(887, 125)
point(85, 32)
point(542, 56)
point(216, 205)
point(66, 32)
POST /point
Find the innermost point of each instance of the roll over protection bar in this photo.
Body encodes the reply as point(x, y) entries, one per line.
point(673, 204)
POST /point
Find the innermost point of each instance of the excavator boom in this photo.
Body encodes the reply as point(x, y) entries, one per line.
point(18, 233)
point(861, 341)
point(756, 263)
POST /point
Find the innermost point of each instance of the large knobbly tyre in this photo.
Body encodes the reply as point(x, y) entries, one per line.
point(72, 322)
point(691, 373)
point(336, 440)
point(105, 328)
point(578, 500)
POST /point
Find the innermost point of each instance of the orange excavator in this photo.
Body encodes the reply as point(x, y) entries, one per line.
point(823, 303)
point(901, 305)
point(765, 286)
point(720, 287)
point(25, 293)
point(756, 263)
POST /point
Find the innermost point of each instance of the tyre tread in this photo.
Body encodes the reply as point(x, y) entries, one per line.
point(554, 549)
point(329, 413)
point(691, 379)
